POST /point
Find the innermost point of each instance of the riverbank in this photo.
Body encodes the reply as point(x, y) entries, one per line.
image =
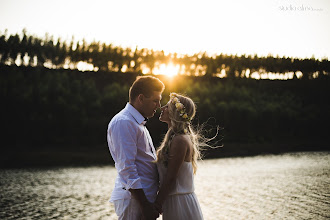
point(99, 155)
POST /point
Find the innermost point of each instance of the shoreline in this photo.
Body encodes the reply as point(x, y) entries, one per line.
point(100, 156)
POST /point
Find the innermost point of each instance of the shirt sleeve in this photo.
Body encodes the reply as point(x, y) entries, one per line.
point(124, 137)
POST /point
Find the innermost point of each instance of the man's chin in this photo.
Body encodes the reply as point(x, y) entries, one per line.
point(150, 116)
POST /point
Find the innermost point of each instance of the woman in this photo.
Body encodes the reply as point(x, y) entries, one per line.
point(177, 161)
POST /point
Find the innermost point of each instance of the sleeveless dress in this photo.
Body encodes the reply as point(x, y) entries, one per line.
point(182, 203)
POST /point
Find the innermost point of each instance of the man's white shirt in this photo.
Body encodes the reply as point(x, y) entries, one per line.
point(132, 150)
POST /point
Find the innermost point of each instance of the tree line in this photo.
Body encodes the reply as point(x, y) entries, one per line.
point(30, 50)
point(46, 107)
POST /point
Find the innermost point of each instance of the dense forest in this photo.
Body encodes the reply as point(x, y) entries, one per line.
point(53, 115)
point(68, 111)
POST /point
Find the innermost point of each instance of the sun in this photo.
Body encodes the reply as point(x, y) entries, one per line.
point(169, 69)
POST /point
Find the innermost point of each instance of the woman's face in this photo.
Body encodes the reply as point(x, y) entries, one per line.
point(164, 115)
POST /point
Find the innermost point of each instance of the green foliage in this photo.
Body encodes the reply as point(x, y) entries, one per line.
point(115, 96)
point(43, 107)
point(261, 111)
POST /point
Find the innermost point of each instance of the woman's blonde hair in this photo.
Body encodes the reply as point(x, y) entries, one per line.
point(181, 125)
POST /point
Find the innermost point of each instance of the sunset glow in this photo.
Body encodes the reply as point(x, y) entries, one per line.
point(204, 27)
point(169, 70)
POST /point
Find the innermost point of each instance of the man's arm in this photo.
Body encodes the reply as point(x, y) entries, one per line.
point(123, 136)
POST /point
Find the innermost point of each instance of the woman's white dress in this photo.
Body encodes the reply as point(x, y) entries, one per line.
point(182, 203)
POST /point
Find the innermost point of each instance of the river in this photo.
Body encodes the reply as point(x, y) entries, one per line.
point(286, 186)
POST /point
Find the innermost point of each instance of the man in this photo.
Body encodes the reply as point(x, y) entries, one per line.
point(132, 150)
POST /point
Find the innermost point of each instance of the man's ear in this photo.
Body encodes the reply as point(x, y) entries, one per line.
point(140, 98)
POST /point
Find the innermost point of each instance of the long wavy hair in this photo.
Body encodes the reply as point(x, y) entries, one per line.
point(181, 126)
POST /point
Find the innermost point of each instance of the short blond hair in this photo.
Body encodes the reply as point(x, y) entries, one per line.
point(145, 85)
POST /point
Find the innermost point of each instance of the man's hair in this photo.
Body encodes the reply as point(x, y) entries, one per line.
point(145, 85)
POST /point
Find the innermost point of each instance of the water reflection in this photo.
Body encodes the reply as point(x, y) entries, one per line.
point(290, 186)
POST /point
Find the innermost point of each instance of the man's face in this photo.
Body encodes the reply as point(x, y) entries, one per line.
point(151, 104)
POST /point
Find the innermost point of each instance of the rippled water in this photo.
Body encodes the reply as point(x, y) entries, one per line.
point(289, 186)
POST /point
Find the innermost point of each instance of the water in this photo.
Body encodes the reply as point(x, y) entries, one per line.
point(288, 186)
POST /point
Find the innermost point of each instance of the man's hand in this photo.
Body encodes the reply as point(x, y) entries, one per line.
point(158, 207)
point(149, 211)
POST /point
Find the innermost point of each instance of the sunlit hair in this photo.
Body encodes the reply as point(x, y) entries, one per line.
point(180, 125)
point(145, 85)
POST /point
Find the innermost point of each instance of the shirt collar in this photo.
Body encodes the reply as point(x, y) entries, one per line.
point(135, 113)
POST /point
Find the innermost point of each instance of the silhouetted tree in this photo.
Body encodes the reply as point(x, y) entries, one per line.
point(40, 51)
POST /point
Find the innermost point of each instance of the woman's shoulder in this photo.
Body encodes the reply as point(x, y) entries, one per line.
point(182, 143)
point(181, 140)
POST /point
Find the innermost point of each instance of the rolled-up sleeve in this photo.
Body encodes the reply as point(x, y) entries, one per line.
point(123, 135)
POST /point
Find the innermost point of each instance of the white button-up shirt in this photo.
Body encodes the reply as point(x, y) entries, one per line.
point(132, 150)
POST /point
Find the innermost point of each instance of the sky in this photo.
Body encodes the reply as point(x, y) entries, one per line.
point(290, 28)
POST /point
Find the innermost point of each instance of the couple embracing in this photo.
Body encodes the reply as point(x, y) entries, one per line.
point(151, 183)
